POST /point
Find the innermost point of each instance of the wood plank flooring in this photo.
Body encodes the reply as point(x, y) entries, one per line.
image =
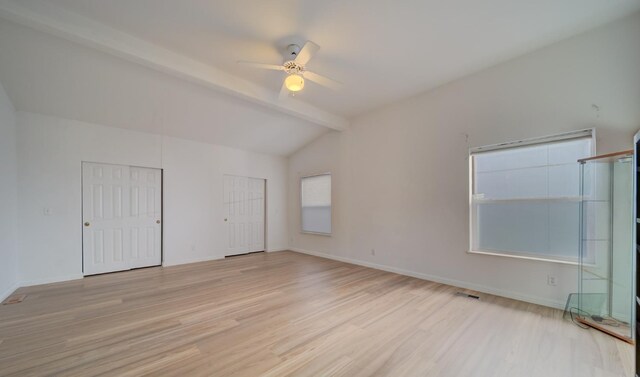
point(281, 314)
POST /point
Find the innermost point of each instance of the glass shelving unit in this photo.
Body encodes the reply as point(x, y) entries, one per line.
point(606, 299)
point(636, 241)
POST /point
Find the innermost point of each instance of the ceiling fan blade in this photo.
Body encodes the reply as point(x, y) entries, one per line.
point(324, 81)
point(284, 92)
point(308, 50)
point(263, 66)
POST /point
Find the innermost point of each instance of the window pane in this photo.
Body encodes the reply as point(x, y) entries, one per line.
point(316, 204)
point(526, 200)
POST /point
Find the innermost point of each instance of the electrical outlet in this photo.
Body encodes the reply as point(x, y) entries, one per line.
point(373, 251)
point(551, 280)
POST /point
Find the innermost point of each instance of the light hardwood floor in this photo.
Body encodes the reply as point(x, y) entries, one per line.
point(286, 313)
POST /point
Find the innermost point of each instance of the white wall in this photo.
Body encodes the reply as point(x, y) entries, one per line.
point(8, 197)
point(50, 152)
point(401, 172)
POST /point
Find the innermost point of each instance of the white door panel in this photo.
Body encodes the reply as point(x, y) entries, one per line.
point(244, 214)
point(103, 209)
point(145, 216)
point(255, 215)
point(120, 214)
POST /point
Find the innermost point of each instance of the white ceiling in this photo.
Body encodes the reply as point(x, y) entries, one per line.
point(382, 50)
point(52, 76)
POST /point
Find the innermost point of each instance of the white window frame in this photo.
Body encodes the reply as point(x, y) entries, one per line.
point(589, 132)
point(330, 210)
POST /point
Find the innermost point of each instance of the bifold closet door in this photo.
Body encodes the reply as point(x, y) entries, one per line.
point(145, 217)
point(244, 203)
point(121, 208)
point(255, 215)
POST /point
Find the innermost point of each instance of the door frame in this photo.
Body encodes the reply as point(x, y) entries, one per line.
point(82, 162)
point(265, 208)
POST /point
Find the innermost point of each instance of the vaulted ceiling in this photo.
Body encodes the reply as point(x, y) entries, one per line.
point(181, 57)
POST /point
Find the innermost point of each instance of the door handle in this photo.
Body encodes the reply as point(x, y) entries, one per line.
point(157, 221)
point(225, 219)
point(87, 223)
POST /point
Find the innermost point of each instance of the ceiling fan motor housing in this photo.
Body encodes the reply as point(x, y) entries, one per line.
point(292, 51)
point(292, 67)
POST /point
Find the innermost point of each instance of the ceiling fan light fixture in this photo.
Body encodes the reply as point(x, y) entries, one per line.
point(294, 83)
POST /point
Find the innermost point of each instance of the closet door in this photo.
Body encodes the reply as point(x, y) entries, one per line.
point(104, 210)
point(235, 191)
point(121, 209)
point(255, 217)
point(145, 217)
point(244, 200)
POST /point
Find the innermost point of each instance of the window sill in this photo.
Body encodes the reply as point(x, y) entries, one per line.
point(316, 233)
point(518, 256)
point(531, 199)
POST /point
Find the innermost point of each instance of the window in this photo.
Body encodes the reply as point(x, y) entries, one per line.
point(525, 197)
point(316, 204)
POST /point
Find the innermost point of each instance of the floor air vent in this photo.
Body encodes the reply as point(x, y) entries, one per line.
point(468, 295)
point(15, 299)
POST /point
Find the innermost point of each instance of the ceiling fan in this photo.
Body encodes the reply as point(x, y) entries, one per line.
point(294, 66)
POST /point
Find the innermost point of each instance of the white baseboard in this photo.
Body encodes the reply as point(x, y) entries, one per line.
point(192, 260)
point(58, 279)
point(439, 279)
point(9, 291)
